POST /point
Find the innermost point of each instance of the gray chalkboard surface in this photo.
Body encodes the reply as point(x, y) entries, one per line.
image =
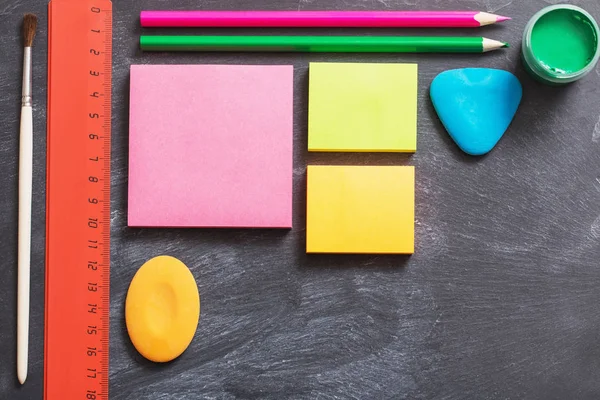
point(501, 299)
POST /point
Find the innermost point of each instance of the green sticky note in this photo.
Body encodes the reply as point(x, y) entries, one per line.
point(362, 107)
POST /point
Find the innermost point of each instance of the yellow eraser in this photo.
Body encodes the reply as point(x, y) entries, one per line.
point(360, 209)
point(162, 309)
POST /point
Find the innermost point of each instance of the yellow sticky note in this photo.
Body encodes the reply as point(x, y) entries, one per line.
point(358, 209)
point(362, 107)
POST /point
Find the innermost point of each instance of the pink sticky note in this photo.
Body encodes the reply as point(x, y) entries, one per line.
point(210, 146)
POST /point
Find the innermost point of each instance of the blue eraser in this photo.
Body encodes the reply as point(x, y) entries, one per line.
point(476, 105)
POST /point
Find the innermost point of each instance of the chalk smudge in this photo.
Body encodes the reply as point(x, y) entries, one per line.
point(595, 229)
point(596, 133)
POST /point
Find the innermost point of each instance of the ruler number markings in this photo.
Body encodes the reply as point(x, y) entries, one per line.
point(96, 201)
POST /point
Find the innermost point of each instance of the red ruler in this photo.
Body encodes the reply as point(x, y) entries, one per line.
point(78, 200)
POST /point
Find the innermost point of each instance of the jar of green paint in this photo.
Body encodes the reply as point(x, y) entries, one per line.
point(560, 44)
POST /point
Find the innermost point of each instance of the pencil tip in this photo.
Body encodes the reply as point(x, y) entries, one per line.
point(500, 18)
point(491, 45)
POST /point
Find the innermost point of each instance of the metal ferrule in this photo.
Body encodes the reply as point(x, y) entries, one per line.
point(26, 100)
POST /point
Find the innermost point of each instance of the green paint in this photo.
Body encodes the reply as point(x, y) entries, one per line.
point(564, 41)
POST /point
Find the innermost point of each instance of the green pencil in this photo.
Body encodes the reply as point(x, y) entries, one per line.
point(322, 44)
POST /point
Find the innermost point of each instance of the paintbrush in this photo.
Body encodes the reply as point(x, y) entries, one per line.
point(25, 186)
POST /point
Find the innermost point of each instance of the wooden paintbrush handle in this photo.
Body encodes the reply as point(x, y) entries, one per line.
point(25, 188)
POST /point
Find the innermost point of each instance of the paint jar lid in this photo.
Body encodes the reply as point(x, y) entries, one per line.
point(560, 44)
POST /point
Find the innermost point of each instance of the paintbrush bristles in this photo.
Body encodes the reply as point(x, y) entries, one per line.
point(29, 27)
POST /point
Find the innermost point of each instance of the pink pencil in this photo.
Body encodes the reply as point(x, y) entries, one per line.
point(313, 19)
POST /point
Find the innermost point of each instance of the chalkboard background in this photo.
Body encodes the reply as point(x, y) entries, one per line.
point(501, 299)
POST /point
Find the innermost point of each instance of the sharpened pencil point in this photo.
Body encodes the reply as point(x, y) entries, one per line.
point(506, 45)
point(500, 18)
point(491, 45)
